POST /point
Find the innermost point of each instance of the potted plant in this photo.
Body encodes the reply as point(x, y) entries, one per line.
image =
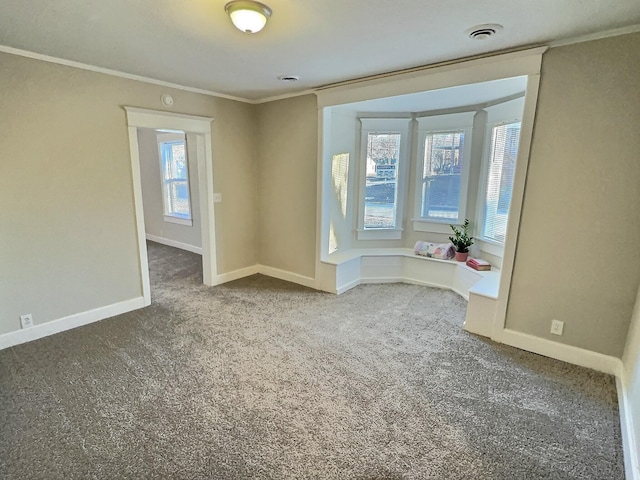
point(462, 240)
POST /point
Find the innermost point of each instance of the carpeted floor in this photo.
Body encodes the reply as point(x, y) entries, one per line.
point(260, 378)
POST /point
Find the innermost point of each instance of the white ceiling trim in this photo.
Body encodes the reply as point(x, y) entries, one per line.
point(285, 96)
point(434, 77)
point(596, 36)
point(116, 73)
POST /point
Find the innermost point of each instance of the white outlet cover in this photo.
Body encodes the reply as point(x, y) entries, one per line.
point(217, 197)
point(557, 327)
point(26, 320)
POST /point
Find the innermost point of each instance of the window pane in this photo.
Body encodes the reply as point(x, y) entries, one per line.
point(441, 176)
point(175, 179)
point(380, 205)
point(504, 152)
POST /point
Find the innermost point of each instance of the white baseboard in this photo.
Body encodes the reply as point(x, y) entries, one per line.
point(234, 275)
point(412, 281)
point(67, 323)
point(347, 286)
point(174, 243)
point(559, 351)
point(264, 270)
point(630, 443)
point(287, 276)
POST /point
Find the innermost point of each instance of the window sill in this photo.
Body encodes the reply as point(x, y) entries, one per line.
point(178, 220)
point(379, 234)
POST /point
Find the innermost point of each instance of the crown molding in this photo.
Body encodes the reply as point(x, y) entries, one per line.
point(615, 32)
point(117, 73)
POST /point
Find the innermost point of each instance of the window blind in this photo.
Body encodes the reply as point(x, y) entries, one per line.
point(503, 155)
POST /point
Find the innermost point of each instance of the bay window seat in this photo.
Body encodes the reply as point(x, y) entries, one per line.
point(387, 265)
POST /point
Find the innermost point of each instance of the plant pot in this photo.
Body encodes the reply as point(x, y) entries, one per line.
point(461, 257)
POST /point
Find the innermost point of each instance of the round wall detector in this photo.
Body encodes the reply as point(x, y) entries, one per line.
point(167, 100)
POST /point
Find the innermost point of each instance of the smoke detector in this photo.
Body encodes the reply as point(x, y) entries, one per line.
point(483, 32)
point(289, 78)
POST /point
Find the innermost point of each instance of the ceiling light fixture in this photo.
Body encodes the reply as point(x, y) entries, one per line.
point(248, 16)
point(483, 32)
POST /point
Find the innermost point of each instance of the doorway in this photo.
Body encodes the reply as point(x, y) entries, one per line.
point(198, 132)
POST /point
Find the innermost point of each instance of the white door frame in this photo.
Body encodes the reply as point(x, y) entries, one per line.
point(201, 128)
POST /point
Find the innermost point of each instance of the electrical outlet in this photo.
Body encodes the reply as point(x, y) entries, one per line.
point(556, 327)
point(26, 320)
point(217, 197)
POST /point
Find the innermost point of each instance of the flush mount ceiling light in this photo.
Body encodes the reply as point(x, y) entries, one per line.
point(248, 16)
point(483, 32)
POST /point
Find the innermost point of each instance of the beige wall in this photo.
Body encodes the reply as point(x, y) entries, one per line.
point(68, 237)
point(151, 180)
point(235, 174)
point(577, 259)
point(287, 153)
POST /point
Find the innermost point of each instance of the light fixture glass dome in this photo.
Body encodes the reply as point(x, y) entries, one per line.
point(248, 16)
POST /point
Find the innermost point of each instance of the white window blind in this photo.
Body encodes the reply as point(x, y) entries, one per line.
point(502, 165)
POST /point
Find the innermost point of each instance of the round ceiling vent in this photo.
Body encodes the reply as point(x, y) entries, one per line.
point(289, 78)
point(483, 32)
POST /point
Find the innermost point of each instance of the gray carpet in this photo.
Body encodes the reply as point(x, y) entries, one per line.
point(260, 378)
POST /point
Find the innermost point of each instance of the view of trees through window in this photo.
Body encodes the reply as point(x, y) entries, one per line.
point(441, 176)
point(175, 179)
point(383, 152)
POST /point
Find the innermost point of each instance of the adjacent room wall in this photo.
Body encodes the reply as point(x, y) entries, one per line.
point(68, 241)
point(287, 152)
point(151, 179)
point(576, 257)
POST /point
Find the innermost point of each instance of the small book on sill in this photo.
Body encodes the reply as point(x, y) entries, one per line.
point(478, 264)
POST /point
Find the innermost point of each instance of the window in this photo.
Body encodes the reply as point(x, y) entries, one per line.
point(380, 206)
point(442, 175)
point(500, 173)
point(175, 179)
point(383, 151)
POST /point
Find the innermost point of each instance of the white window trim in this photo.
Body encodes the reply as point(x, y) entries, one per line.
point(482, 187)
point(163, 137)
point(437, 124)
point(179, 220)
point(490, 246)
point(383, 125)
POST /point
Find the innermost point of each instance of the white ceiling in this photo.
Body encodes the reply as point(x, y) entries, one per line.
point(193, 43)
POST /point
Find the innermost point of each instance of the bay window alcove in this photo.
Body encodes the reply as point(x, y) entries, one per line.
point(403, 158)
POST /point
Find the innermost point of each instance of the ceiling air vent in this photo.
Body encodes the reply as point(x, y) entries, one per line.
point(483, 32)
point(288, 78)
